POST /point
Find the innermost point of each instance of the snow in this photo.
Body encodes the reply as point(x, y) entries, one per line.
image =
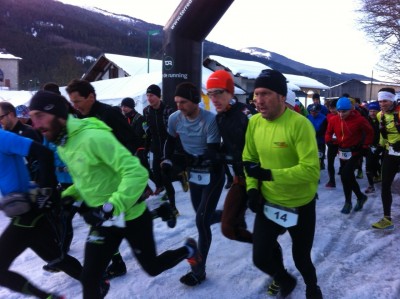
point(353, 261)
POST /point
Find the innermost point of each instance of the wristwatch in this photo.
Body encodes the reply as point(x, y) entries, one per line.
point(108, 207)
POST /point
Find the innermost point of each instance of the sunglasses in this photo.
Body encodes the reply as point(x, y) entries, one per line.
point(215, 92)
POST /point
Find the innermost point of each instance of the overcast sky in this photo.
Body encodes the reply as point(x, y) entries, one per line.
point(320, 33)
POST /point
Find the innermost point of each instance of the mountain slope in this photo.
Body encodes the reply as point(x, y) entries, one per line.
point(58, 42)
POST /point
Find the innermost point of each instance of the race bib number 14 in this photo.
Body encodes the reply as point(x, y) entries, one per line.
point(286, 217)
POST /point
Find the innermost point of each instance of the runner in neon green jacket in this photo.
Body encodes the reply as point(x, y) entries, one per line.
point(110, 181)
point(287, 146)
point(281, 162)
point(102, 170)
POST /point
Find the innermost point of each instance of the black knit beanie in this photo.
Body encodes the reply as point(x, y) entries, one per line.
point(188, 91)
point(154, 89)
point(272, 80)
point(49, 102)
point(128, 102)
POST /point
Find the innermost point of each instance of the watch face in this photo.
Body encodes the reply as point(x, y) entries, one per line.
point(108, 207)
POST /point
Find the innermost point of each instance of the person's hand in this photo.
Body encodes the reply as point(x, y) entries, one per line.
point(255, 202)
point(166, 167)
point(46, 198)
point(256, 171)
point(96, 216)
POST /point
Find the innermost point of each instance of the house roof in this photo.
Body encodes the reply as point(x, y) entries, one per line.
point(5, 55)
point(243, 68)
point(251, 69)
point(366, 82)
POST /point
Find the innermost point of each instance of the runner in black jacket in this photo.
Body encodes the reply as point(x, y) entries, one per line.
point(232, 119)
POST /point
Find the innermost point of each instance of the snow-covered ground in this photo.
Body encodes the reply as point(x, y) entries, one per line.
point(352, 259)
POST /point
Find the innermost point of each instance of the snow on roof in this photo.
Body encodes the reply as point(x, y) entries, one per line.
point(244, 68)
point(135, 65)
point(380, 83)
point(8, 56)
point(305, 82)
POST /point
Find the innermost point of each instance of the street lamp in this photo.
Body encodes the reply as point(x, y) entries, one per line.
point(150, 33)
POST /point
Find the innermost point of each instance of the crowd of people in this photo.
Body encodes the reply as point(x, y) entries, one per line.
point(80, 156)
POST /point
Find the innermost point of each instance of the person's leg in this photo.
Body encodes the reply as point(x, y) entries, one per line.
point(167, 179)
point(101, 244)
point(13, 242)
point(267, 253)
point(157, 174)
point(206, 198)
point(371, 170)
point(233, 223)
point(345, 176)
point(229, 177)
point(331, 155)
point(390, 166)
point(303, 237)
point(139, 234)
point(44, 242)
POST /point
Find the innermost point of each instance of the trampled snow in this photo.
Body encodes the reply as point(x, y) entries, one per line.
point(353, 261)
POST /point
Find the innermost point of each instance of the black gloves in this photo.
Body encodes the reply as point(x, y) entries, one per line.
point(47, 197)
point(254, 170)
point(165, 212)
point(166, 167)
point(96, 216)
point(255, 201)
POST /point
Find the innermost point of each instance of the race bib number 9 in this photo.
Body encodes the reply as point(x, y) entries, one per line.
point(344, 155)
point(199, 177)
point(285, 217)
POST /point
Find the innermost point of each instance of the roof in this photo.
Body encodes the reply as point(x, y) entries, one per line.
point(305, 82)
point(243, 68)
point(5, 55)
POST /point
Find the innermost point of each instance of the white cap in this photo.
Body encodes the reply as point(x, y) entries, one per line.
point(291, 98)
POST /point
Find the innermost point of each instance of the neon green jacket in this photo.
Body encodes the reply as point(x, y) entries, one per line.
point(288, 147)
point(393, 135)
point(102, 169)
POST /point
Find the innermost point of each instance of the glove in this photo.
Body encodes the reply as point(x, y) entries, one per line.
point(256, 171)
point(96, 216)
point(166, 166)
point(46, 198)
point(255, 201)
point(165, 212)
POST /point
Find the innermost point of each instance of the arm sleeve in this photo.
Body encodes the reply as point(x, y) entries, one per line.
point(45, 158)
point(169, 147)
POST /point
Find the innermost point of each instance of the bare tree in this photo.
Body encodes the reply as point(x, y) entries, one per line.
point(381, 22)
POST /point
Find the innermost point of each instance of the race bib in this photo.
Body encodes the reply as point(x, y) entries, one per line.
point(393, 152)
point(344, 154)
point(199, 177)
point(286, 217)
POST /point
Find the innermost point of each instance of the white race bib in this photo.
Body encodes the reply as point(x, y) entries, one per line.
point(393, 152)
point(199, 177)
point(344, 155)
point(286, 217)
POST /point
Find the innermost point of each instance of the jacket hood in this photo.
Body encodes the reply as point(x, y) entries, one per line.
point(75, 125)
